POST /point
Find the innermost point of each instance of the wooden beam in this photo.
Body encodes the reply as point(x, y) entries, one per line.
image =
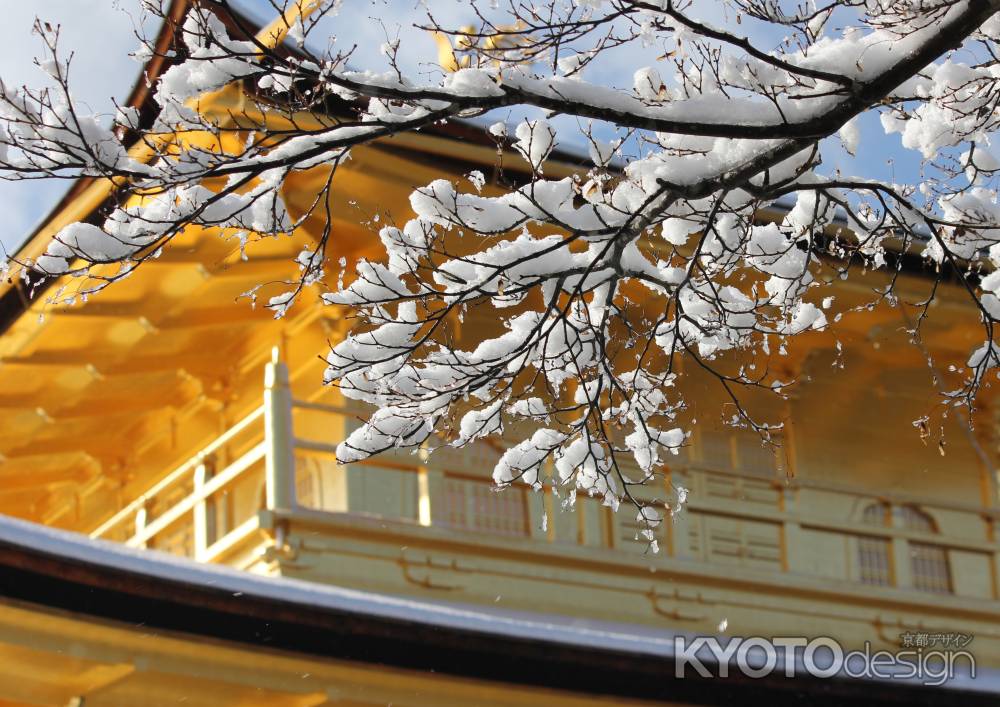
point(133, 309)
point(235, 314)
point(112, 362)
point(48, 359)
point(99, 435)
point(135, 402)
point(33, 479)
point(257, 266)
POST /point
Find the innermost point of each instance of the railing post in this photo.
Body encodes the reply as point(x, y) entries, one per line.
point(203, 517)
point(430, 489)
point(141, 518)
point(424, 495)
point(280, 458)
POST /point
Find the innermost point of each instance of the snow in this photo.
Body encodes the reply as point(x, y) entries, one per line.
point(524, 460)
point(638, 642)
point(388, 428)
point(313, 596)
point(648, 85)
point(535, 140)
point(210, 66)
point(687, 153)
point(481, 423)
point(472, 82)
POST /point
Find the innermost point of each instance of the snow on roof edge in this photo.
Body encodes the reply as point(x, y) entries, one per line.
point(585, 633)
point(641, 641)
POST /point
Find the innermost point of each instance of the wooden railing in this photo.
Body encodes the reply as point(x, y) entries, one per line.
point(183, 497)
point(798, 527)
point(204, 506)
point(199, 509)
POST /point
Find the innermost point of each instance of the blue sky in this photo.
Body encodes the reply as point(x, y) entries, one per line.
point(100, 34)
point(101, 37)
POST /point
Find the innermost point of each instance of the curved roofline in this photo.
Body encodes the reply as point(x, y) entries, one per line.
point(58, 570)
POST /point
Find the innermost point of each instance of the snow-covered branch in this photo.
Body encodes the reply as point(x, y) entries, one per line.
point(605, 287)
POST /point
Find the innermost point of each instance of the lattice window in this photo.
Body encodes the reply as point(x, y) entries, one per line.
point(475, 505)
point(928, 562)
point(309, 482)
point(875, 514)
point(474, 459)
point(929, 565)
point(455, 503)
point(912, 518)
point(874, 563)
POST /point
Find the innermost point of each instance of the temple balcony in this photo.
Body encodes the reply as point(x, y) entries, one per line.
point(751, 551)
